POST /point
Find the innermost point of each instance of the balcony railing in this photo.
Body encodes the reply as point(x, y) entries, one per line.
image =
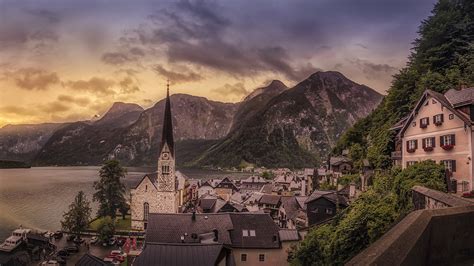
point(396, 155)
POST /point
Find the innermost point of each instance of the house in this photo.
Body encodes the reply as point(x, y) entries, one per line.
point(322, 206)
point(90, 260)
point(292, 212)
point(178, 254)
point(270, 204)
point(253, 238)
point(252, 184)
point(339, 166)
point(309, 176)
point(439, 128)
point(225, 188)
point(215, 204)
point(206, 188)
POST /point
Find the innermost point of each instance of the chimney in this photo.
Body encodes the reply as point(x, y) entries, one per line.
point(193, 217)
point(216, 235)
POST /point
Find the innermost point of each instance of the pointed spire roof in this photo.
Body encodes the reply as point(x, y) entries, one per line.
point(167, 135)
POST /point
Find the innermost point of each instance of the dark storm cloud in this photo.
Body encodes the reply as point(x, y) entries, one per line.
point(373, 70)
point(179, 76)
point(115, 58)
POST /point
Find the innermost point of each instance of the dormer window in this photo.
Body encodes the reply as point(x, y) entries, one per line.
point(428, 144)
point(412, 145)
point(447, 142)
point(438, 119)
point(424, 122)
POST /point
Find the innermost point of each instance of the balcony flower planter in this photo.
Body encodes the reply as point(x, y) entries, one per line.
point(447, 147)
point(438, 123)
point(468, 194)
point(411, 150)
point(428, 148)
point(423, 125)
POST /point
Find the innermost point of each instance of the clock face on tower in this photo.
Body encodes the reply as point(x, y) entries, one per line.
point(165, 156)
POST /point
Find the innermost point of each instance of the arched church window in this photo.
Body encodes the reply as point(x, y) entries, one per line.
point(146, 211)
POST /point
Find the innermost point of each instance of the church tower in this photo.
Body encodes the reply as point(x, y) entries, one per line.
point(166, 179)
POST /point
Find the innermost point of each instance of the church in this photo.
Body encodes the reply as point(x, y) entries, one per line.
point(163, 191)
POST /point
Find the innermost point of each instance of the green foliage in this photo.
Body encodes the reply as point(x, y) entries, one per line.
point(348, 179)
point(4, 164)
point(368, 217)
point(110, 191)
point(106, 228)
point(76, 219)
point(442, 58)
point(327, 186)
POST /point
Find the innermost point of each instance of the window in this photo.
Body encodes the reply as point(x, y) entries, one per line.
point(428, 143)
point(316, 210)
point(447, 141)
point(146, 211)
point(328, 211)
point(413, 124)
point(438, 119)
point(410, 163)
point(245, 232)
point(165, 169)
point(449, 165)
point(433, 101)
point(261, 257)
point(252, 232)
point(243, 257)
point(146, 188)
point(451, 116)
point(412, 145)
point(424, 122)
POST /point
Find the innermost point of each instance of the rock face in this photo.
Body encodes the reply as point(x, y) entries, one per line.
point(132, 136)
point(22, 142)
point(297, 127)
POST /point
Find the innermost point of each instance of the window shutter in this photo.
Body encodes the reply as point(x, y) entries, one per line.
point(408, 145)
point(416, 144)
point(442, 117)
point(454, 165)
point(453, 139)
point(433, 142)
point(434, 119)
point(441, 141)
point(423, 143)
point(427, 120)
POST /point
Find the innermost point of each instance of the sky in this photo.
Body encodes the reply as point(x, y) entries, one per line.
point(66, 60)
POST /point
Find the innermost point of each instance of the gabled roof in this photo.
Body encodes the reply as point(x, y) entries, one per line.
point(441, 99)
point(152, 176)
point(267, 188)
point(181, 254)
point(289, 235)
point(206, 183)
point(318, 193)
point(337, 160)
point(226, 181)
point(270, 199)
point(460, 97)
point(90, 260)
point(169, 228)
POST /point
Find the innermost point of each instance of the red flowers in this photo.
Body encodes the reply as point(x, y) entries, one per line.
point(447, 147)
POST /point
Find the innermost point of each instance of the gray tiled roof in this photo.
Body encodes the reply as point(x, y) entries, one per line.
point(460, 97)
point(270, 199)
point(180, 254)
point(318, 193)
point(90, 260)
point(168, 228)
point(289, 235)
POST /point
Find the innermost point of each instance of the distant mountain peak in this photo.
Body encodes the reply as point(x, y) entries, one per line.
point(119, 109)
point(275, 87)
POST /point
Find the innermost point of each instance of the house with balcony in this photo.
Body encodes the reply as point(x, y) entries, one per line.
point(440, 128)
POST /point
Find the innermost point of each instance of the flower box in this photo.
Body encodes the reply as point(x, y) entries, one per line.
point(468, 194)
point(428, 148)
point(447, 147)
point(438, 123)
point(423, 125)
point(411, 150)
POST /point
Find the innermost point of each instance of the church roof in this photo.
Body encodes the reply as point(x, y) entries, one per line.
point(167, 135)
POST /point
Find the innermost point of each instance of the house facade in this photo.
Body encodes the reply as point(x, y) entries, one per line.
point(440, 129)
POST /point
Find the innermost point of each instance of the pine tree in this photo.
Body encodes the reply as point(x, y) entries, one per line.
point(110, 191)
point(76, 219)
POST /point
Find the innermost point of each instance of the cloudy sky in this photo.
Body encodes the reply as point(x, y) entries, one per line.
point(69, 60)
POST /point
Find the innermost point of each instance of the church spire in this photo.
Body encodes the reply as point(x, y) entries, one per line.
point(167, 135)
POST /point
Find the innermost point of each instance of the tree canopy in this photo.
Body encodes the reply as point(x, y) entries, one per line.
point(110, 191)
point(76, 219)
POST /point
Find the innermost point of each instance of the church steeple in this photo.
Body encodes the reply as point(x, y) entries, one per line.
point(167, 135)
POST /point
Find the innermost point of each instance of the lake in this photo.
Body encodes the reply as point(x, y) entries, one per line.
point(37, 197)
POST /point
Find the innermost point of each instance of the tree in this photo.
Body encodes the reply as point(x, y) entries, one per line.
point(110, 190)
point(106, 229)
point(268, 175)
point(76, 219)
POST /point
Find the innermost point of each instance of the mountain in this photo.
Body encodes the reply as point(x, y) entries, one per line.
point(297, 127)
point(130, 135)
point(255, 101)
point(123, 113)
point(22, 142)
point(442, 58)
point(194, 118)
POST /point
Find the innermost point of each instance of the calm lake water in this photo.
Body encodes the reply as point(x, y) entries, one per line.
point(37, 197)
